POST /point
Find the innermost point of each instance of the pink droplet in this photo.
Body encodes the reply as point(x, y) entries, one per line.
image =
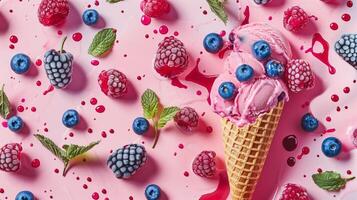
point(95, 196)
point(346, 90)
point(100, 109)
point(186, 173)
point(77, 37)
point(38, 62)
point(180, 146)
point(334, 98)
point(13, 39)
point(163, 29)
point(346, 17)
point(334, 26)
point(93, 101)
point(20, 108)
point(145, 20)
point(94, 62)
point(38, 83)
point(35, 163)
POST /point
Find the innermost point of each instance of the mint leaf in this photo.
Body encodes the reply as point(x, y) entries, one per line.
point(4, 104)
point(166, 115)
point(52, 147)
point(114, 1)
point(330, 181)
point(73, 150)
point(217, 8)
point(103, 42)
point(150, 103)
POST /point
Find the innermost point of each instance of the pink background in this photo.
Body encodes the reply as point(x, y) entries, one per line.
point(163, 168)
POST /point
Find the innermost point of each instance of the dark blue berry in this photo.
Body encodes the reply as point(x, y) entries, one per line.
point(15, 124)
point(309, 123)
point(261, 50)
point(70, 118)
point(274, 69)
point(90, 17)
point(25, 195)
point(227, 90)
point(244, 72)
point(20, 63)
point(346, 47)
point(140, 125)
point(152, 192)
point(213, 43)
point(331, 147)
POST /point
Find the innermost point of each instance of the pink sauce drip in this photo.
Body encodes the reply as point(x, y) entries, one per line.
point(176, 82)
point(246, 14)
point(222, 191)
point(323, 56)
point(224, 50)
point(305, 151)
point(331, 130)
point(50, 89)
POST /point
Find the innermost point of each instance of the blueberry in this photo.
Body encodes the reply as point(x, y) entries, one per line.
point(90, 17)
point(25, 195)
point(213, 43)
point(261, 50)
point(15, 123)
point(227, 90)
point(244, 72)
point(331, 147)
point(309, 123)
point(20, 63)
point(152, 192)
point(70, 118)
point(274, 69)
point(140, 125)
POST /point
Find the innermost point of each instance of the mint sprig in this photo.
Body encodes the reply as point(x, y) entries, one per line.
point(114, 1)
point(151, 107)
point(4, 104)
point(217, 8)
point(103, 42)
point(68, 152)
point(330, 180)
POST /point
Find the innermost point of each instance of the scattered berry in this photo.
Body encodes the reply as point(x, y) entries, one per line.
point(187, 118)
point(261, 50)
point(204, 164)
point(152, 192)
point(58, 66)
point(90, 17)
point(171, 58)
point(227, 90)
point(25, 195)
point(70, 118)
point(274, 69)
point(295, 19)
point(309, 123)
point(125, 161)
point(331, 147)
point(15, 123)
point(244, 73)
point(346, 47)
point(294, 192)
point(213, 43)
point(10, 157)
point(20, 63)
point(155, 8)
point(113, 83)
point(262, 2)
point(299, 75)
point(140, 125)
point(53, 12)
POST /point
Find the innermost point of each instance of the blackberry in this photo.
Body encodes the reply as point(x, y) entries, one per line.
point(58, 66)
point(125, 161)
point(261, 2)
point(346, 47)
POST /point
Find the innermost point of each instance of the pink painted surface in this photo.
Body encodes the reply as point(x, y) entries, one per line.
point(133, 54)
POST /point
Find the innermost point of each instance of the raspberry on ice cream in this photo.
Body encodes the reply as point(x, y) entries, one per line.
point(10, 157)
point(171, 57)
point(187, 118)
point(155, 8)
point(295, 19)
point(204, 164)
point(294, 192)
point(53, 12)
point(113, 83)
point(299, 75)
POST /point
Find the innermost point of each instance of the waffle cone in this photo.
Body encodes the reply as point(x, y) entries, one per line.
point(246, 149)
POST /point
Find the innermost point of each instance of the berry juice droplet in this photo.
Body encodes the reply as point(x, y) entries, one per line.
point(349, 4)
point(13, 39)
point(35, 163)
point(346, 17)
point(176, 33)
point(93, 101)
point(291, 161)
point(346, 90)
point(96, 3)
point(38, 83)
point(77, 37)
point(349, 172)
point(95, 196)
point(20, 108)
point(305, 151)
point(222, 33)
point(94, 62)
point(186, 173)
point(145, 20)
point(100, 109)
point(11, 46)
point(328, 119)
point(180, 146)
point(246, 14)
point(163, 29)
point(334, 98)
point(334, 26)
point(49, 89)
point(38, 62)
point(290, 143)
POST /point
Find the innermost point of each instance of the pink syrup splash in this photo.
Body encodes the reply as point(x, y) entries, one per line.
point(49, 89)
point(323, 56)
point(246, 14)
point(305, 151)
point(176, 82)
point(222, 191)
point(227, 47)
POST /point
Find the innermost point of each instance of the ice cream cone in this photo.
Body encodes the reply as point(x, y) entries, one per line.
point(246, 149)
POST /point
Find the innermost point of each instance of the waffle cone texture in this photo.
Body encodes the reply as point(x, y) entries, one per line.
point(246, 149)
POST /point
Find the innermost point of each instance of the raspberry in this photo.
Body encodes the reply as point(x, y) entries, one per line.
point(294, 192)
point(295, 18)
point(53, 12)
point(187, 118)
point(113, 83)
point(10, 157)
point(154, 8)
point(171, 57)
point(204, 164)
point(299, 75)
point(346, 48)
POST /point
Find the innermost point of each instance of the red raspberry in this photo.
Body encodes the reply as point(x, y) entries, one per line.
point(113, 83)
point(10, 157)
point(53, 12)
point(204, 164)
point(299, 75)
point(171, 58)
point(187, 118)
point(154, 8)
point(294, 192)
point(295, 18)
